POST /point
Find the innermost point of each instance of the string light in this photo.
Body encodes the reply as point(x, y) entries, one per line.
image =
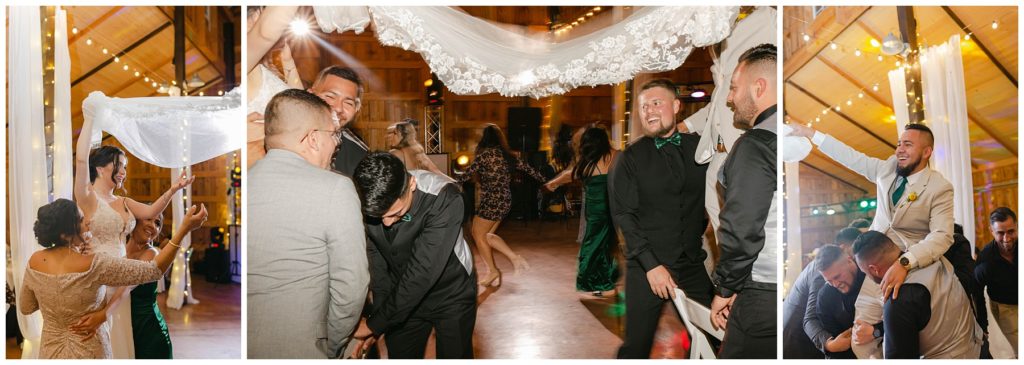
point(857, 52)
point(995, 25)
point(117, 59)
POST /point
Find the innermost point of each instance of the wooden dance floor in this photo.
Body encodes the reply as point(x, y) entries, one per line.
point(209, 330)
point(539, 315)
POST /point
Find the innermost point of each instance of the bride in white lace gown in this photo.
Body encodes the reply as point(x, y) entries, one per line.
point(97, 174)
point(264, 77)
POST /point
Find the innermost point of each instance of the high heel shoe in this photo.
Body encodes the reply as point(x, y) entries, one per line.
point(489, 280)
point(520, 265)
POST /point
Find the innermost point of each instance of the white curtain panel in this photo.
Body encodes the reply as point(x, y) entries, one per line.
point(26, 153)
point(898, 86)
point(945, 110)
point(63, 173)
point(144, 126)
point(179, 275)
point(473, 56)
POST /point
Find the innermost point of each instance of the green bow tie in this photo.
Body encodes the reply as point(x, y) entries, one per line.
point(407, 217)
point(675, 139)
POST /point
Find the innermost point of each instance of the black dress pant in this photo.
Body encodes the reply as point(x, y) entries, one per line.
point(643, 307)
point(750, 333)
point(453, 336)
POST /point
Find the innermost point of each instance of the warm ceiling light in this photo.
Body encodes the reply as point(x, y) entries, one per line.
point(857, 52)
point(74, 30)
point(117, 59)
point(874, 43)
point(698, 93)
point(892, 45)
point(807, 38)
point(995, 24)
point(104, 51)
point(88, 42)
point(136, 73)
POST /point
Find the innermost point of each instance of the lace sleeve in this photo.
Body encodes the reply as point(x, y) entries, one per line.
point(114, 271)
point(27, 302)
point(536, 175)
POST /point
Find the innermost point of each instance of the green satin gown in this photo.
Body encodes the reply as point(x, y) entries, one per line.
point(598, 270)
point(152, 341)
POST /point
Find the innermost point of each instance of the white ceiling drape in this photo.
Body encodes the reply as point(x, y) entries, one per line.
point(473, 56)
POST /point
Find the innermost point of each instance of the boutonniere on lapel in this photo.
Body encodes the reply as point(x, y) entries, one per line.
point(912, 196)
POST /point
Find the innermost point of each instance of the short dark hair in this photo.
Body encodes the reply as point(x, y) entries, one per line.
point(662, 83)
point(342, 72)
point(1001, 214)
point(103, 156)
point(923, 129)
point(847, 235)
point(276, 110)
point(55, 220)
point(860, 223)
point(871, 243)
point(828, 255)
point(380, 179)
point(762, 56)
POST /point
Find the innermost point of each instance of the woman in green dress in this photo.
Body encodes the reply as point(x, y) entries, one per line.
point(598, 270)
point(149, 330)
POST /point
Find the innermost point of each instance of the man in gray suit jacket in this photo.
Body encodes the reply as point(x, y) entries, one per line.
point(307, 267)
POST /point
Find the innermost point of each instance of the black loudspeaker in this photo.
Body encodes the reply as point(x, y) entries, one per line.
point(218, 264)
point(524, 128)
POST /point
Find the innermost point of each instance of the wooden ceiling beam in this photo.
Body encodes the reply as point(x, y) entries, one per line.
point(981, 45)
point(96, 23)
point(131, 47)
point(800, 58)
point(841, 114)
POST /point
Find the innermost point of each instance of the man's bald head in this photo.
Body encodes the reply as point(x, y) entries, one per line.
point(291, 113)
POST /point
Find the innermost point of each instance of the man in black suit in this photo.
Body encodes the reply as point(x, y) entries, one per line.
point(421, 269)
point(656, 190)
point(342, 89)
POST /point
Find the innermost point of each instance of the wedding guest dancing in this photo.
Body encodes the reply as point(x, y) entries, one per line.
point(931, 317)
point(149, 330)
point(493, 167)
point(97, 174)
point(745, 277)
point(64, 282)
point(421, 268)
point(656, 190)
point(997, 270)
point(401, 138)
point(598, 271)
point(307, 267)
point(342, 89)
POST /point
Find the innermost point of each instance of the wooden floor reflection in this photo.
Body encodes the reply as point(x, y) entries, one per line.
point(208, 330)
point(539, 315)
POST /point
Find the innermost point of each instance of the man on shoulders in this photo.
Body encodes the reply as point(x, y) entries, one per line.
point(342, 89)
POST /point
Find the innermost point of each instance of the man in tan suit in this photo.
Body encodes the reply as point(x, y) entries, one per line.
point(915, 210)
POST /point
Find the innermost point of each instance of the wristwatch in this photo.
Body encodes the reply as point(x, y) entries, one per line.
point(877, 332)
point(905, 262)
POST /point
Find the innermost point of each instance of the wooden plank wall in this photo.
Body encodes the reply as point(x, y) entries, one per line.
point(993, 187)
point(818, 189)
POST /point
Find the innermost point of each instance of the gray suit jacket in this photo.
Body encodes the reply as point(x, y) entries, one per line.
point(307, 271)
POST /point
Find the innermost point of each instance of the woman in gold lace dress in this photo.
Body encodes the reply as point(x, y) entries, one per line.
point(64, 281)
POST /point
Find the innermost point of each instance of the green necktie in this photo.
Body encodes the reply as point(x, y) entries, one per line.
point(899, 190)
point(675, 139)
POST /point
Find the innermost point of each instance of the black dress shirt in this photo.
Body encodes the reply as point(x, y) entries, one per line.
point(657, 199)
point(836, 311)
point(999, 275)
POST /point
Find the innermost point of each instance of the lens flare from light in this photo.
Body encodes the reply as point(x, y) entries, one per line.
point(299, 27)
